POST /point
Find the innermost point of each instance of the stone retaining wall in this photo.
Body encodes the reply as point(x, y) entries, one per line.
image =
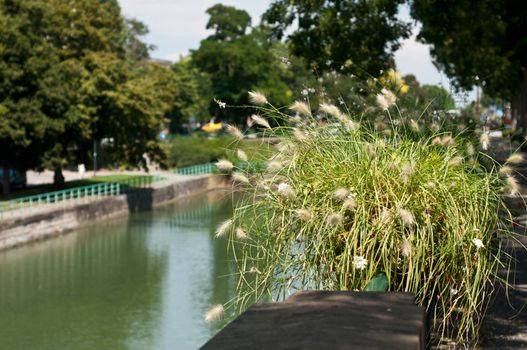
point(32, 227)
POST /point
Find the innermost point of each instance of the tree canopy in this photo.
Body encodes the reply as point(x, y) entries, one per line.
point(238, 62)
point(348, 36)
point(72, 73)
point(479, 43)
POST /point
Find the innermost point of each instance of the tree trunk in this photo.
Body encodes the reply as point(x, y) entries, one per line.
point(519, 102)
point(58, 179)
point(5, 182)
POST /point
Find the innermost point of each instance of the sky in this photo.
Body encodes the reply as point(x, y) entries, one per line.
point(176, 26)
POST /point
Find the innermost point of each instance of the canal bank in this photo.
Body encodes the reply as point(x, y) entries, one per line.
point(47, 221)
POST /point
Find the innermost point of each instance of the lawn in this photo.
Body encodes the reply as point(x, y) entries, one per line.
point(45, 188)
point(188, 151)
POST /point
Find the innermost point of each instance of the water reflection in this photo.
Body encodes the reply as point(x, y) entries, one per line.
point(142, 282)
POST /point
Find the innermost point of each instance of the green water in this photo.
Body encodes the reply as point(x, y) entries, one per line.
point(141, 282)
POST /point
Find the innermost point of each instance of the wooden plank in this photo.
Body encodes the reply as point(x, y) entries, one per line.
point(328, 320)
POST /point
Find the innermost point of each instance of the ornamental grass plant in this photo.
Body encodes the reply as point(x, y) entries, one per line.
point(348, 205)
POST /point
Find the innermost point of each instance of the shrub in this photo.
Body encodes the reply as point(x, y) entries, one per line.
point(346, 204)
point(187, 151)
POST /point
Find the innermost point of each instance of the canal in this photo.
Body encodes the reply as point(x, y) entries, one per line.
point(139, 282)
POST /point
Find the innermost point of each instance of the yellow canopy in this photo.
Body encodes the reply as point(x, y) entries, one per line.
point(212, 127)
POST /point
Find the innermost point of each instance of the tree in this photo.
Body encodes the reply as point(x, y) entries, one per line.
point(228, 22)
point(26, 54)
point(479, 43)
point(357, 37)
point(73, 73)
point(195, 94)
point(238, 62)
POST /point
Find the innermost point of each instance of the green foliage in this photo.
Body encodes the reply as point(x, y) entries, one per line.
point(378, 283)
point(228, 22)
point(484, 39)
point(187, 151)
point(237, 63)
point(349, 36)
point(72, 73)
point(344, 205)
point(194, 95)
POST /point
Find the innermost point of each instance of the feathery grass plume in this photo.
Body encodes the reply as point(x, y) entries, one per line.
point(274, 166)
point(380, 125)
point(506, 170)
point(382, 102)
point(304, 214)
point(301, 108)
point(434, 127)
point(437, 141)
point(406, 217)
point(406, 172)
point(260, 121)
point(484, 141)
point(234, 131)
point(444, 141)
point(387, 132)
point(341, 193)
point(334, 219)
point(240, 233)
point(257, 98)
point(214, 313)
point(300, 135)
point(223, 228)
point(386, 99)
point(478, 243)
point(348, 124)
point(224, 165)
point(369, 148)
point(239, 177)
point(406, 248)
point(286, 191)
point(390, 96)
point(241, 155)
point(515, 158)
point(513, 185)
point(349, 204)
point(330, 109)
point(414, 125)
point(392, 165)
point(359, 262)
point(455, 161)
point(470, 149)
point(282, 187)
point(220, 103)
point(297, 119)
point(384, 217)
point(285, 147)
point(447, 141)
point(430, 185)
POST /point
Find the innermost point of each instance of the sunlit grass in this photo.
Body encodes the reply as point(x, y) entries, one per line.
point(350, 202)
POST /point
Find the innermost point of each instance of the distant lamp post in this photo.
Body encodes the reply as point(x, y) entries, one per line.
point(94, 157)
point(477, 96)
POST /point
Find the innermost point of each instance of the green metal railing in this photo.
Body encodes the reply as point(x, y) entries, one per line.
point(76, 195)
point(251, 167)
point(199, 169)
point(209, 168)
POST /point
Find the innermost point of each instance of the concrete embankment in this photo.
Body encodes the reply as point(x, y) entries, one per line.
point(44, 222)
